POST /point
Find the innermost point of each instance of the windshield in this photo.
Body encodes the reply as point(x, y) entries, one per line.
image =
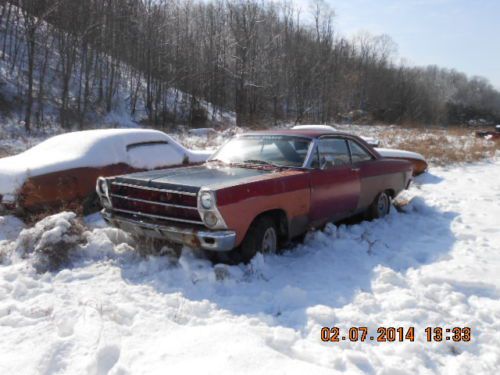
point(277, 150)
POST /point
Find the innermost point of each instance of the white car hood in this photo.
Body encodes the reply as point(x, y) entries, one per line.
point(395, 153)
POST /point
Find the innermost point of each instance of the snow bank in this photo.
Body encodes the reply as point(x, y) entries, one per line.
point(93, 148)
point(48, 243)
point(436, 263)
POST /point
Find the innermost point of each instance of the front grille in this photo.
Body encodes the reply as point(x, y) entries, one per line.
point(155, 203)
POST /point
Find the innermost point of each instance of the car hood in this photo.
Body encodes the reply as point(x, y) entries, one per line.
point(193, 178)
point(402, 154)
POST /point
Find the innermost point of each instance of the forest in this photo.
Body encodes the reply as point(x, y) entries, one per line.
point(267, 62)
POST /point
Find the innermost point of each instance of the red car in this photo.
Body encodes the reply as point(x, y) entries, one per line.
point(257, 192)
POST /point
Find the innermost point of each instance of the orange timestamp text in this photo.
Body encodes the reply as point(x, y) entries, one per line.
point(395, 334)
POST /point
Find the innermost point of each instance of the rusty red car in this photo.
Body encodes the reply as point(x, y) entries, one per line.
point(257, 192)
point(490, 134)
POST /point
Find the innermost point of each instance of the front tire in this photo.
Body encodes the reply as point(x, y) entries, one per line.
point(262, 236)
point(380, 207)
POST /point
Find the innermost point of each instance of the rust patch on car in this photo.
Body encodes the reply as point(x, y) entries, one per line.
point(67, 189)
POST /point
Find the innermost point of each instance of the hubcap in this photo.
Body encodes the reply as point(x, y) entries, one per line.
point(382, 204)
point(269, 241)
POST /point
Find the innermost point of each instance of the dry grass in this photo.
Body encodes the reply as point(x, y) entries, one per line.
point(441, 146)
point(438, 146)
point(41, 212)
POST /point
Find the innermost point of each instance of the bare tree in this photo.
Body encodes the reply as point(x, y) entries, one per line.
point(259, 59)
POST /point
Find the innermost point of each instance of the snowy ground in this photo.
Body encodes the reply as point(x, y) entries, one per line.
point(110, 311)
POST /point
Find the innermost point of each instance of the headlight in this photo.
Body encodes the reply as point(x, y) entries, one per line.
point(210, 219)
point(206, 200)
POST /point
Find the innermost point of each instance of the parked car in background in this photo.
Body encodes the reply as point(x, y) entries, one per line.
point(489, 134)
point(370, 140)
point(256, 192)
point(64, 168)
point(418, 160)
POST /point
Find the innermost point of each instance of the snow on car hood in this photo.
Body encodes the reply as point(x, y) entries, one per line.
point(395, 153)
point(91, 148)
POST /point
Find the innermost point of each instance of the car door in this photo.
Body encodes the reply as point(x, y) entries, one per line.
point(335, 184)
point(370, 178)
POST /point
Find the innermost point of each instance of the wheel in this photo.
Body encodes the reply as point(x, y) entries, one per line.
point(380, 207)
point(262, 236)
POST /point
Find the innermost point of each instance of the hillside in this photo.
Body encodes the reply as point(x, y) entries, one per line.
point(73, 64)
point(71, 98)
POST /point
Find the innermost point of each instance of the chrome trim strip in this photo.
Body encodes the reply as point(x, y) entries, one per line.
point(153, 202)
point(154, 189)
point(159, 217)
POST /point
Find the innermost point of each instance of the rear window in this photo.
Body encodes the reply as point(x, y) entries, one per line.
point(149, 155)
point(141, 144)
point(358, 153)
point(333, 152)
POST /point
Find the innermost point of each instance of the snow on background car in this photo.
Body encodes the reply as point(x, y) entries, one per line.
point(95, 148)
point(109, 310)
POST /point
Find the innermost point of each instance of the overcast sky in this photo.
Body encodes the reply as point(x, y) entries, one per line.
point(460, 34)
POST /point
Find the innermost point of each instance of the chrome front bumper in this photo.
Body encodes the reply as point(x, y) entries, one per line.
point(209, 240)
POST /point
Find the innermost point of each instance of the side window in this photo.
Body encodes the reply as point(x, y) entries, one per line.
point(333, 152)
point(358, 153)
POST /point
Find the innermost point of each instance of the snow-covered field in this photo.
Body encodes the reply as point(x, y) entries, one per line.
point(110, 311)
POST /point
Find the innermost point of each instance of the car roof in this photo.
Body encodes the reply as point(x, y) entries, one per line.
point(309, 133)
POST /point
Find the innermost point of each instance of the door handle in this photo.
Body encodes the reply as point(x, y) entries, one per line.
point(355, 169)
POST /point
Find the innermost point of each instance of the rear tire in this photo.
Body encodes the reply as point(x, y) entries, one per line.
point(380, 207)
point(262, 236)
